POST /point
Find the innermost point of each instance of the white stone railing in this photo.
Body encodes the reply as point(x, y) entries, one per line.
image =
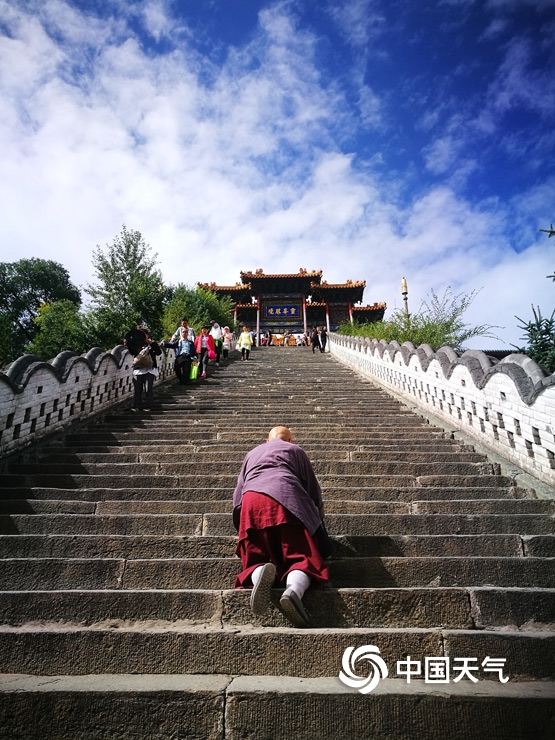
point(508, 406)
point(38, 398)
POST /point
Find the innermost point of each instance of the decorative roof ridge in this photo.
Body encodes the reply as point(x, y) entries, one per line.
point(259, 273)
point(346, 284)
point(373, 305)
point(213, 286)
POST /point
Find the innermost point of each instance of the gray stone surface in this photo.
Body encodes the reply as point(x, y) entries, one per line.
point(117, 566)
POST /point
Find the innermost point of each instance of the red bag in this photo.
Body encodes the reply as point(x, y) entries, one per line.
point(211, 354)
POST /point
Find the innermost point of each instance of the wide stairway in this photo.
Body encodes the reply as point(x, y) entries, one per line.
point(119, 618)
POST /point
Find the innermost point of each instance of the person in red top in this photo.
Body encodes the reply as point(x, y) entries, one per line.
point(277, 510)
point(206, 349)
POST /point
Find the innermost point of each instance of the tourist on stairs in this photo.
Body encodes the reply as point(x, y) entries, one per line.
point(245, 343)
point(205, 349)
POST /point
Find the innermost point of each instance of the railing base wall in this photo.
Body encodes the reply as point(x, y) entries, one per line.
point(508, 407)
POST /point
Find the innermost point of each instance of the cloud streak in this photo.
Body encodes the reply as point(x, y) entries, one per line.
point(247, 162)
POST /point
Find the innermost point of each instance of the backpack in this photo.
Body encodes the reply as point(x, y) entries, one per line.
point(143, 361)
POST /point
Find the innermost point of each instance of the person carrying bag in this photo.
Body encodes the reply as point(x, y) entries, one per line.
point(184, 354)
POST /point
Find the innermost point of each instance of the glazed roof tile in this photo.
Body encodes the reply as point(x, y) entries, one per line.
point(347, 284)
point(302, 273)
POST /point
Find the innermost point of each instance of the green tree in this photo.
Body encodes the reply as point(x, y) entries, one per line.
point(540, 337)
point(8, 346)
point(439, 323)
point(61, 327)
point(550, 232)
point(24, 286)
point(128, 287)
point(540, 333)
point(199, 305)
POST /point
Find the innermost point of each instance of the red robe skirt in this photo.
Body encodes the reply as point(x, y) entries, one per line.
point(268, 532)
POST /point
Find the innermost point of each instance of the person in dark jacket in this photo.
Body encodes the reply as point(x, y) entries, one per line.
point(145, 369)
point(277, 510)
point(323, 339)
point(315, 339)
point(185, 353)
point(134, 340)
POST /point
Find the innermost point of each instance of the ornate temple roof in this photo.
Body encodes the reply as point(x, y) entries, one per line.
point(372, 312)
point(239, 293)
point(301, 283)
point(349, 291)
point(302, 273)
point(298, 282)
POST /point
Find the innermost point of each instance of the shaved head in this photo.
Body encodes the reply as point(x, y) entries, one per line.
point(280, 433)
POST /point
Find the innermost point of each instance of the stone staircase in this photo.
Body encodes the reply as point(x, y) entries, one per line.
point(119, 618)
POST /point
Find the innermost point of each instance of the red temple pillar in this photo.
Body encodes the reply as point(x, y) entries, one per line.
point(351, 311)
point(304, 314)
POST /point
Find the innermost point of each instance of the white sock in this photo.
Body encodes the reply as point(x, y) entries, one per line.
point(256, 574)
point(298, 581)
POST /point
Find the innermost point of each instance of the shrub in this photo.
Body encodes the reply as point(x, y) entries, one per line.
point(438, 323)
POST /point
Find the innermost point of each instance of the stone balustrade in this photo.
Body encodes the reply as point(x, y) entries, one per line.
point(38, 398)
point(508, 406)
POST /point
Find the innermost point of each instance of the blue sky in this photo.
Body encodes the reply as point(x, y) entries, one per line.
point(372, 139)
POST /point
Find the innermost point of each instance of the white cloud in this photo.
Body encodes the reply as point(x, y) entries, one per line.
point(156, 18)
point(358, 20)
point(240, 173)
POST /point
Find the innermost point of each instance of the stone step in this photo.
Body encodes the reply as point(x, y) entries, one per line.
point(321, 467)
point(448, 608)
point(246, 440)
point(437, 554)
point(80, 461)
point(269, 708)
point(24, 574)
point(303, 425)
point(312, 409)
point(377, 493)
point(168, 546)
point(224, 480)
point(304, 416)
point(484, 506)
point(332, 506)
point(221, 524)
point(259, 651)
point(274, 708)
point(126, 707)
point(389, 524)
point(94, 453)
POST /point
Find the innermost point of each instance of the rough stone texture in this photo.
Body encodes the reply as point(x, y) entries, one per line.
point(271, 709)
point(395, 608)
point(117, 558)
point(109, 707)
point(202, 649)
point(115, 608)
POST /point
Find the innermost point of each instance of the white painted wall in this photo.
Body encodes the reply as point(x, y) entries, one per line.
point(508, 407)
point(38, 398)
